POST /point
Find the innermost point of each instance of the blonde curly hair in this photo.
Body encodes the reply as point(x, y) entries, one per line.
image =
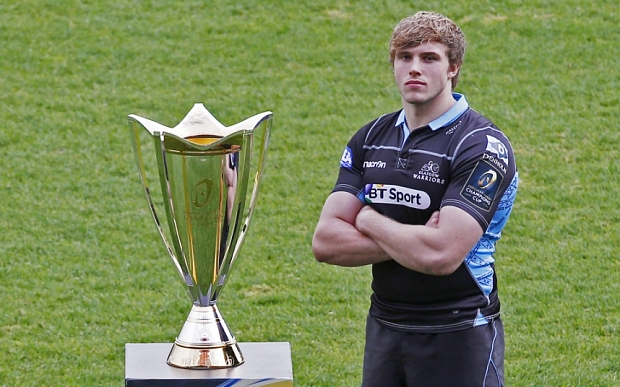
point(424, 27)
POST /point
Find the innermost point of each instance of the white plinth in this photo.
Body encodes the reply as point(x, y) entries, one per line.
point(266, 364)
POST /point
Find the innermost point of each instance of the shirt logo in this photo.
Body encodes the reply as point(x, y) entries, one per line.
point(487, 179)
point(430, 167)
point(374, 164)
point(482, 185)
point(495, 161)
point(346, 161)
point(429, 172)
point(401, 164)
point(498, 148)
point(394, 194)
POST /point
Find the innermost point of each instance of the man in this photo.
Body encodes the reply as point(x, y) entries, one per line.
point(423, 194)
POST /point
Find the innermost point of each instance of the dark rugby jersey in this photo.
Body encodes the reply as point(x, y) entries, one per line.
point(461, 159)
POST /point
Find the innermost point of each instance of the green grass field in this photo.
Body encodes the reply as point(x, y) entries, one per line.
point(82, 269)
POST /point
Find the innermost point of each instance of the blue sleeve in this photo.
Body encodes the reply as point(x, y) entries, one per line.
point(483, 169)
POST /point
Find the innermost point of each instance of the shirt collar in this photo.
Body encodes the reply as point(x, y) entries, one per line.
point(445, 119)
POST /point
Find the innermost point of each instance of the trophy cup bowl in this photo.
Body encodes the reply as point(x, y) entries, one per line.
point(208, 176)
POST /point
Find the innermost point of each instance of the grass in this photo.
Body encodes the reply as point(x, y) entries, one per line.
point(82, 269)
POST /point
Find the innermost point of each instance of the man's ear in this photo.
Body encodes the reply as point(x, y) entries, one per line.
point(453, 70)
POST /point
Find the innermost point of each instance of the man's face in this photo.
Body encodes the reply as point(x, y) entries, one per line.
point(423, 72)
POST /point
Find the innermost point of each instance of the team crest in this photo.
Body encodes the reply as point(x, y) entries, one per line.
point(429, 172)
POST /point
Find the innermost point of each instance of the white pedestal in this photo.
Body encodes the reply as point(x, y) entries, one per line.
point(266, 364)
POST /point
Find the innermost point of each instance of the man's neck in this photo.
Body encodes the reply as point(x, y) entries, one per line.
point(419, 115)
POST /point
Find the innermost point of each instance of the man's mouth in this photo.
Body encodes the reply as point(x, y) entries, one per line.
point(414, 82)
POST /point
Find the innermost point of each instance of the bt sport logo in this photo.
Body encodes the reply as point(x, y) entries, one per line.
point(394, 194)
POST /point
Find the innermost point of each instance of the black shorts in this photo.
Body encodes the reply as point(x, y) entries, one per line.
point(472, 357)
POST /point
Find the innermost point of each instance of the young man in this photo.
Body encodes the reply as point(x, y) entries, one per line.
point(423, 194)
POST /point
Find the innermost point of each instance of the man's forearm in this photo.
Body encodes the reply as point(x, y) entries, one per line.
point(437, 248)
point(340, 243)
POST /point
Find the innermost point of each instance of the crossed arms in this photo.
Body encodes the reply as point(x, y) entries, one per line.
point(350, 233)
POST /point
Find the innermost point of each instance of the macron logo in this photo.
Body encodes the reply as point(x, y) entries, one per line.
point(375, 164)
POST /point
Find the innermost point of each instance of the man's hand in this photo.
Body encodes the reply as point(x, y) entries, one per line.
point(434, 220)
point(364, 217)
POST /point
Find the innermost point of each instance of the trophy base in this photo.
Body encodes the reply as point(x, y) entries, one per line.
point(205, 358)
point(266, 364)
point(205, 342)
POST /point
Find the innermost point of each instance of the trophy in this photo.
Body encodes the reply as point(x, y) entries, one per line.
point(209, 176)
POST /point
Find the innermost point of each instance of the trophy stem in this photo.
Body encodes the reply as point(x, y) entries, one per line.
point(205, 342)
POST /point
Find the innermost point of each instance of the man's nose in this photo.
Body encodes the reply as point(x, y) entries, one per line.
point(414, 67)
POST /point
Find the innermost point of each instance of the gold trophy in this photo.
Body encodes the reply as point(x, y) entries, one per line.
point(208, 176)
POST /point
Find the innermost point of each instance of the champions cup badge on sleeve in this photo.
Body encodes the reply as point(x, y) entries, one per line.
point(208, 177)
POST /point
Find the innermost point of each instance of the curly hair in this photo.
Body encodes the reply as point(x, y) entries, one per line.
point(424, 27)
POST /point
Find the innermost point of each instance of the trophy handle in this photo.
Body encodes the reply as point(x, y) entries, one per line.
point(251, 163)
point(145, 184)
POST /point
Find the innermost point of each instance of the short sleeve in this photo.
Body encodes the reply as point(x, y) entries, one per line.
point(351, 173)
point(483, 168)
